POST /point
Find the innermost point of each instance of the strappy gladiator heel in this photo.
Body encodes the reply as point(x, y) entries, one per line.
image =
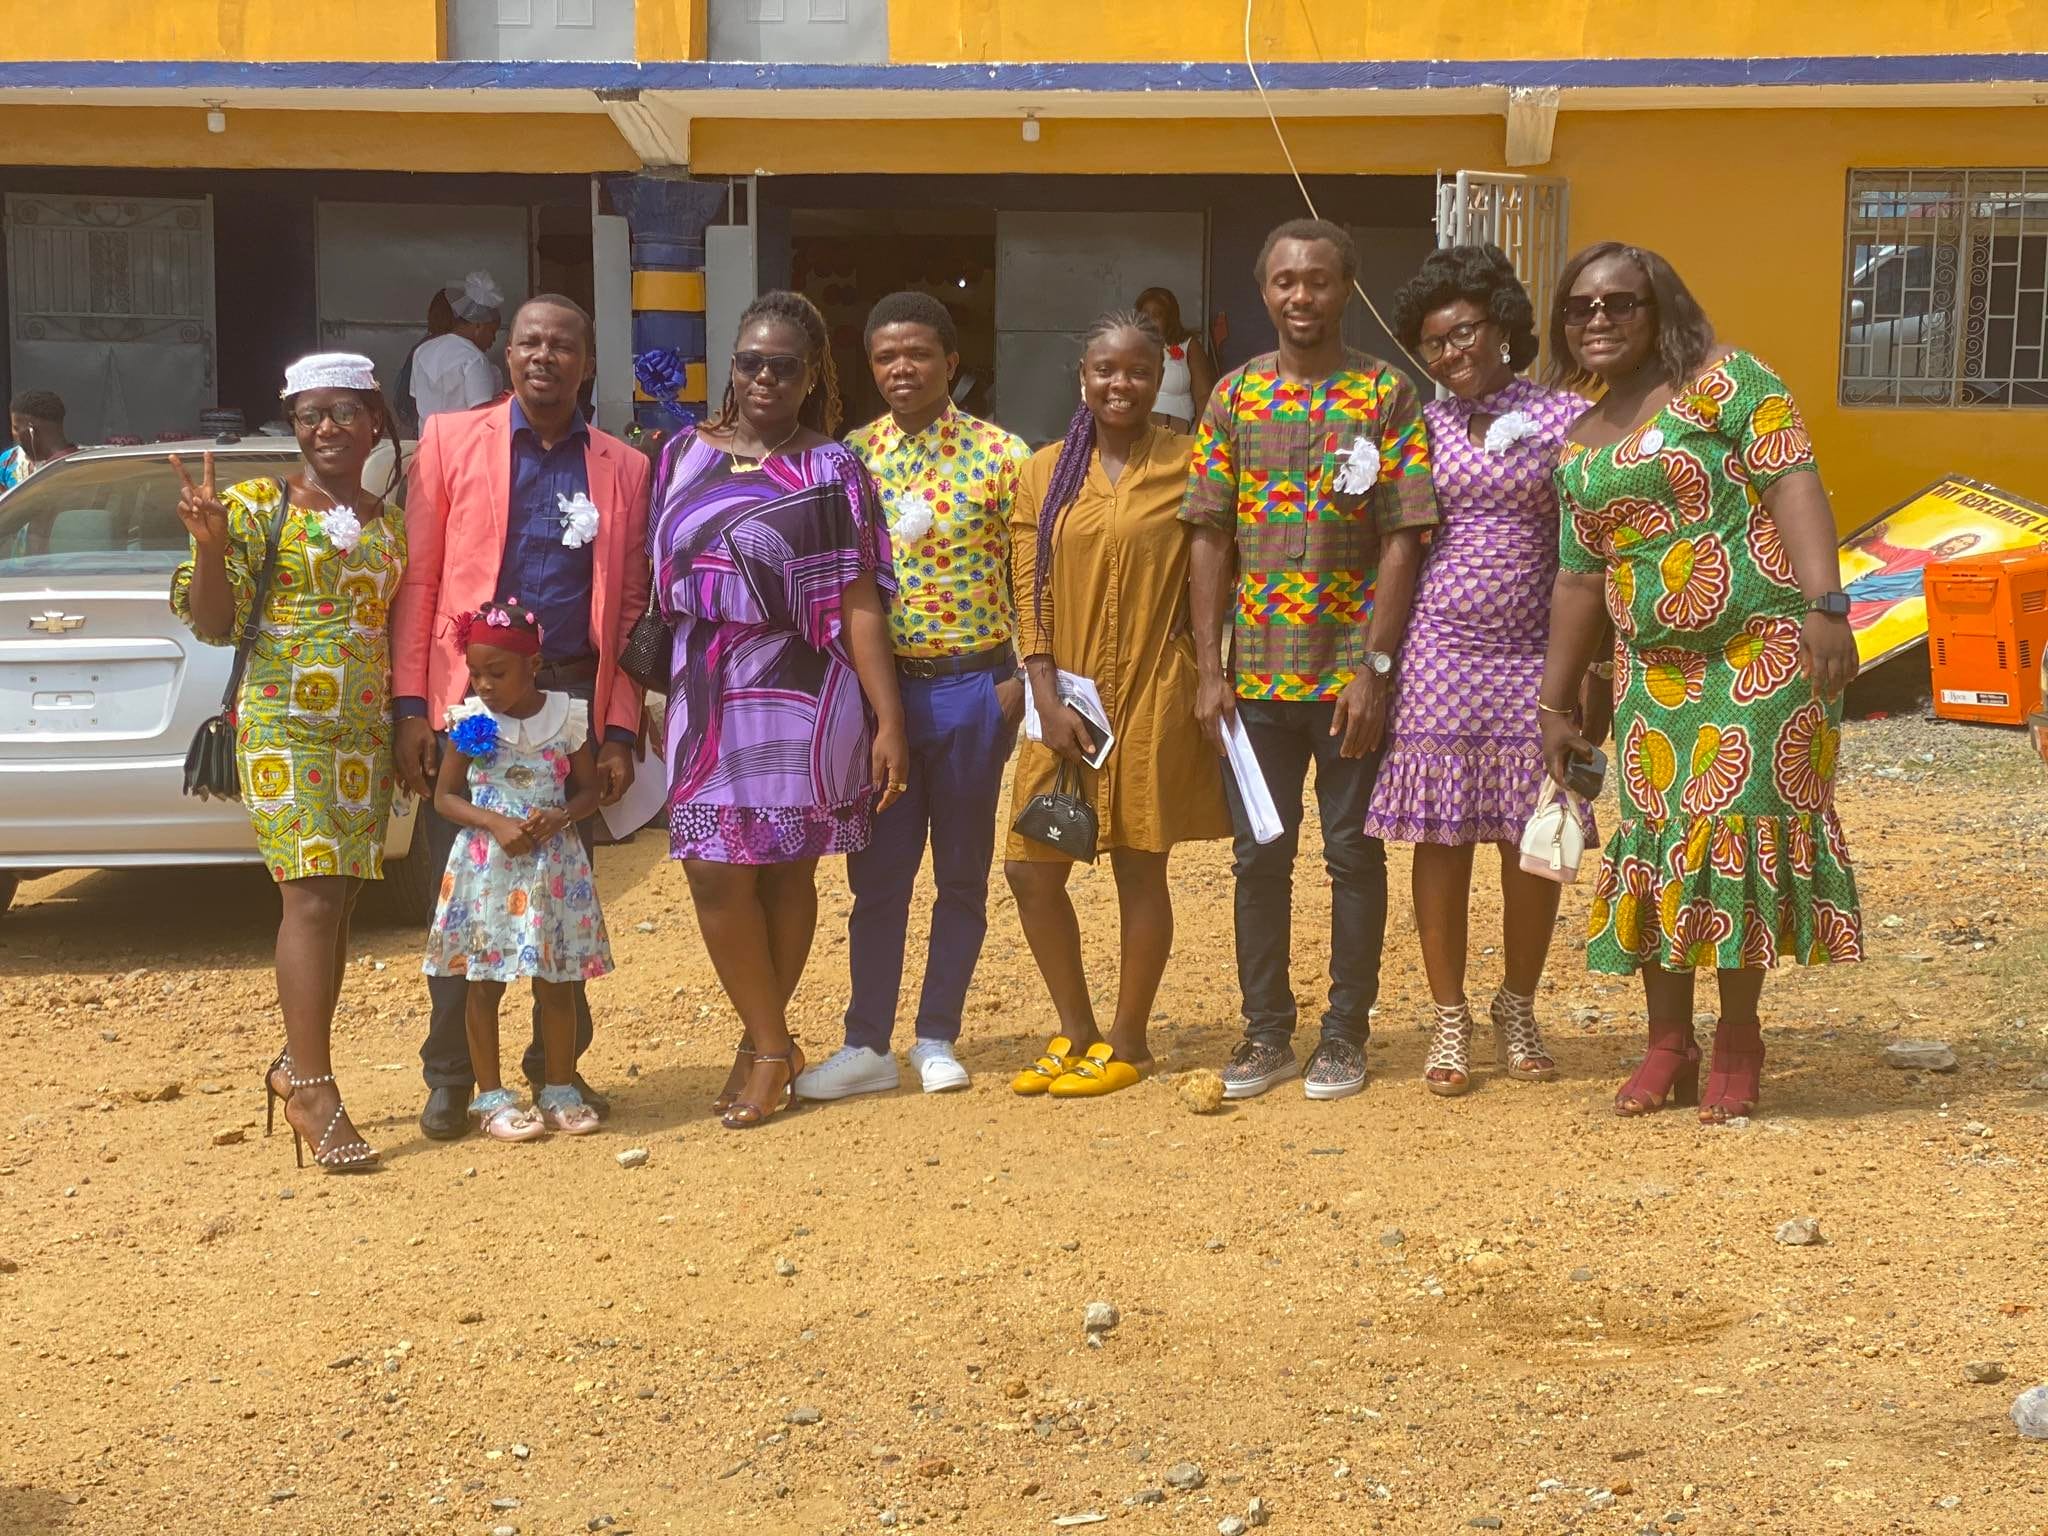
point(356, 1156)
point(1451, 1052)
point(1670, 1074)
point(1517, 1042)
point(744, 1114)
point(271, 1097)
point(735, 1080)
point(1736, 1082)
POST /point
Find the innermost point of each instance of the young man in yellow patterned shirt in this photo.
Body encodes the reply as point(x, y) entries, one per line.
point(946, 481)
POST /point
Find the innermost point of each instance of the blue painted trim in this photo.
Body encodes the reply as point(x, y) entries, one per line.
point(1083, 78)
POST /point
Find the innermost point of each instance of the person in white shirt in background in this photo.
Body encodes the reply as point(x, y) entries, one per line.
point(454, 372)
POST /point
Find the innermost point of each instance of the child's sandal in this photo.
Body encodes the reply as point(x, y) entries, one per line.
point(563, 1109)
point(501, 1117)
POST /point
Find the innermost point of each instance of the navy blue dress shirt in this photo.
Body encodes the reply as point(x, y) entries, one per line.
point(539, 569)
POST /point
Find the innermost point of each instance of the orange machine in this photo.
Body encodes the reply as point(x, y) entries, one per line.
point(1987, 631)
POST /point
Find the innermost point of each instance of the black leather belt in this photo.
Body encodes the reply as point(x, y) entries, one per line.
point(993, 659)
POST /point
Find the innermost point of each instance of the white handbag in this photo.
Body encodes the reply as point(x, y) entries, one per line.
point(1553, 842)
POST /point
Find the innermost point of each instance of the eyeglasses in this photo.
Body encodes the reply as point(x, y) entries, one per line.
point(783, 367)
point(1459, 338)
point(1580, 308)
point(343, 413)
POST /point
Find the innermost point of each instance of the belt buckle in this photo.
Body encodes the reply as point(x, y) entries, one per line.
point(918, 666)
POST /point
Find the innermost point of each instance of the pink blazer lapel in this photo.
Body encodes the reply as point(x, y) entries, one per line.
point(495, 443)
point(603, 468)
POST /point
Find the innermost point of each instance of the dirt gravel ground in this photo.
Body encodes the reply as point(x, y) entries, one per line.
point(1392, 1314)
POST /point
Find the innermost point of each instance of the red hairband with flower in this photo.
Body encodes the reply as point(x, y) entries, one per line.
point(500, 625)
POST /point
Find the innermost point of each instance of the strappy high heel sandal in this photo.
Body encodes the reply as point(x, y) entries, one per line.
point(1670, 1074)
point(1736, 1082)
point(271, 1097)
point(356, 1156)
point(1517, 1042)
point(744, 1114)
point(1451, 1053)
point(735, 1080)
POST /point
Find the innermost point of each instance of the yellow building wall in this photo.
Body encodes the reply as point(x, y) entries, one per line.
point(270, 31)
point(670, 29)
point(1749, 205)
point(314, 141)
point(1024, 30)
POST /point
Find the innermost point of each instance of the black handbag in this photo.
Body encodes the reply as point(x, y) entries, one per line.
point(649, 648)
point(210, 771)
point(1061, 819)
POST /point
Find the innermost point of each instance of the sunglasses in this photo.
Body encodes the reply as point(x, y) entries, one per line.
point(1580, 308)
point(343, 413)
point(1459, 338)
point(783, 367)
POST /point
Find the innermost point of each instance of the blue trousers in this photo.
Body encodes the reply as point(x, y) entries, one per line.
point(958, 746)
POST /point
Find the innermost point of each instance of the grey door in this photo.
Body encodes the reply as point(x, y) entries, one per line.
point(1056, 273)
point(540, 29)
point(110, 303)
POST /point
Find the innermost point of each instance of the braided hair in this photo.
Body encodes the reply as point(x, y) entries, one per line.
point(1077, 451)
point(821, 408)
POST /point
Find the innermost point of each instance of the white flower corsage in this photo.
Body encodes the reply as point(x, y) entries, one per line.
point(1509, 429)
point(579, 519)
point(1360, 470)
point(913, 517)
point(341, 529)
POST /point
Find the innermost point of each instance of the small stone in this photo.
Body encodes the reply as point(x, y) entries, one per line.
point(8, 1266)
point(505, 1503)
point(1149, 1496)
point(1185, 1476)
point(935, 1466)
point(1581, 1276)
point(1100, 1317)
point(1014, 1389)
point(1920, 1056)
point(1892, 920)
point(643, 927)
point(1948, 1501)
point(1028, 1491)
point(1070, 1246)
point(1393, 1237)
point(1257, 1513)
point(803, 1413)
point(1484, 1522)
point(1200, 1091)
point(886, 1517)
point(1231, 1525)
point(279, 1495)
point(286, 1194)
point(783, 1267)
point(1090, 1517)
point(633, 1157)
point(1600, 1500)
point(343, 1362)
point(521, 1452)
point(208, 1086)
point(1986, 1373)
point(504, 1530)
point(1799, 1232)
point(157, 1093)
point(1214, 1245)
point(599, 1523)
point(2030, 1413)
point(228, 1135)
point(470, 1315)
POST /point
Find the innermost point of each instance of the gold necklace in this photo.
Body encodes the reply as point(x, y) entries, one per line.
point(753, 461)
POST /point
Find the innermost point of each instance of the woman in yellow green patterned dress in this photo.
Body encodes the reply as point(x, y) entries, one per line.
point(313, 739)
point(1693, 510)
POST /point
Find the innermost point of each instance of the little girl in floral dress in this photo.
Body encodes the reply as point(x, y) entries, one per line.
point(518, 898)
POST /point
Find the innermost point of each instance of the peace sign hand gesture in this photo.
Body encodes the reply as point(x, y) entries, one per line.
point(200, 509)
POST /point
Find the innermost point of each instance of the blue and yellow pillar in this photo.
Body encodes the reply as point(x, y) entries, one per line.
point(667, 216)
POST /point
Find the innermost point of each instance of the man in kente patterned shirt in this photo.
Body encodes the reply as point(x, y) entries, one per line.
point(1310, 487)
point(946, 482)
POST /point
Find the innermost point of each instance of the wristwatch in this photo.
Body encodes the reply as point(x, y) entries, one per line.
point(1380, 664)
point(1834, 604)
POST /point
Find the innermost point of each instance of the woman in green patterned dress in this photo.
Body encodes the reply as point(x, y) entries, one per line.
point(313, 738)
point(1693, 511)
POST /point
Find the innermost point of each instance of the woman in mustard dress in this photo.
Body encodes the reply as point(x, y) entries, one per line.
point(313, 738)
point(1693, 512)
point(1099, 575)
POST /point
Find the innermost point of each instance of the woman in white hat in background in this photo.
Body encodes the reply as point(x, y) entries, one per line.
point(313, 732)
point(454, 372)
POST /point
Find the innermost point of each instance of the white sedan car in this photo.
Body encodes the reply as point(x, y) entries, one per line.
point(101, 687)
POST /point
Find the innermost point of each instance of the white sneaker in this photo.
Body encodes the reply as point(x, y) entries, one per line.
point(937, 1067)
point(850, 1070)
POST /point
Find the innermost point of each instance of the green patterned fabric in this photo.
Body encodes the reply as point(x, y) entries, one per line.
point(1729, 853)
point(313, 737)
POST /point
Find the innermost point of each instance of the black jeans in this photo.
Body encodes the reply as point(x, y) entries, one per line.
point(1286, 736)
point(444, 1058)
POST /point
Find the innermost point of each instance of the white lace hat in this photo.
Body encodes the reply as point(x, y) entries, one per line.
point(330, 370)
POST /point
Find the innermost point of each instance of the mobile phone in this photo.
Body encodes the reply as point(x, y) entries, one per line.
point(1585, 772)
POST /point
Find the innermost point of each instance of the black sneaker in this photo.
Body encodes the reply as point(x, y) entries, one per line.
point(1336, 1069)
point(1257, 1065)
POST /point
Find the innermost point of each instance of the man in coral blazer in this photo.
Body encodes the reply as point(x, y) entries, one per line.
point(488, 503)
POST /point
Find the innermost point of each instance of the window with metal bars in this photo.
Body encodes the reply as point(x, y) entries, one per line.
point(1946, 288)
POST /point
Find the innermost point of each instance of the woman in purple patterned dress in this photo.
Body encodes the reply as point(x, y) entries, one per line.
point(1464, 756)
point(771, 564)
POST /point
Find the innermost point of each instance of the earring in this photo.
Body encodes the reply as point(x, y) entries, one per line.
point(1506, 353)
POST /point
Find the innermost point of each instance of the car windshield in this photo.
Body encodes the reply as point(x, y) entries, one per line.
point(108, 516)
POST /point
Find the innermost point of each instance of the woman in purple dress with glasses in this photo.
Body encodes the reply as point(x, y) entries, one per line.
point(1464, 757)
point(785, 733)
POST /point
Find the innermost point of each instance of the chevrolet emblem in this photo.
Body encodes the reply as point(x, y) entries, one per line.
point(55, 621)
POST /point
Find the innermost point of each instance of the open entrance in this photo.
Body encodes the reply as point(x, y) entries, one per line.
point(1026, 263)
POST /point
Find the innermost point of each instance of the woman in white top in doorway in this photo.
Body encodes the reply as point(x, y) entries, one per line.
point(1190, 373)
point(453, 372)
